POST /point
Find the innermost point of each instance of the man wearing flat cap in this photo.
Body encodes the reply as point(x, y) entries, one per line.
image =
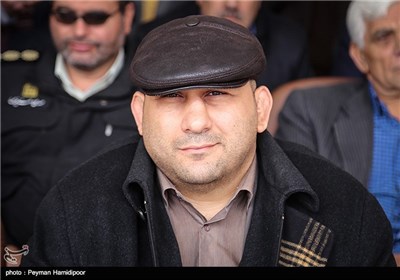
point(206, 184)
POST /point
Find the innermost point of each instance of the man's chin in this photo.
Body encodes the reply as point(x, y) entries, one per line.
point(82, 65)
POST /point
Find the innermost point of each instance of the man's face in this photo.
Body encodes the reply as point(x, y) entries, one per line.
point(84, 45)
point(380, 58)
point(202, 136)
point(242, 12)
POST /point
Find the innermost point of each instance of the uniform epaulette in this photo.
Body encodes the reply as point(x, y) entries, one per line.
point(28, 55)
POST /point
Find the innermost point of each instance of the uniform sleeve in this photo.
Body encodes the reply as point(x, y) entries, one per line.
point(49, 245)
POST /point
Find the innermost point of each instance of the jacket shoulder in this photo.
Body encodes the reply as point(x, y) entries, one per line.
point(108, 167)
point(316, 168)
point(25, 67)
point(27, 56)
point(18, 64)
point(345, 206)
point(321, 103)
point(335, 93)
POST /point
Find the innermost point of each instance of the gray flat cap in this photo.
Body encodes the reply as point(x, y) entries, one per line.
point(196, 52)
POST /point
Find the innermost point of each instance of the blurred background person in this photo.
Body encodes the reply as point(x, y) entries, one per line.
point(24, 25)
point(357, 125)
point(65, 105)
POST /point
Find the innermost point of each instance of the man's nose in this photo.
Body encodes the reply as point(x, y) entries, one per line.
point(80, 27)
point(196, 118)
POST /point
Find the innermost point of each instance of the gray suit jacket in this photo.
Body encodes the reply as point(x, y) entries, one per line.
point(335, 121)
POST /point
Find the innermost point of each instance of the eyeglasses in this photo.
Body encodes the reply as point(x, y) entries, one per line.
point(67, 16)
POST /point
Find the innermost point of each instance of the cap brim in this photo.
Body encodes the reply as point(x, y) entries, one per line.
point(161, 92)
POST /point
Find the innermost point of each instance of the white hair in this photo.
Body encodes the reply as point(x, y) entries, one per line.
point(361, 11)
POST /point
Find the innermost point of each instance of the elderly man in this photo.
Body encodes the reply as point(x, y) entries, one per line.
point(357, 125)
point(206, 185)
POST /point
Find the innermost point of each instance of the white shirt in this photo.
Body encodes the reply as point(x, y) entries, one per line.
point(60, 71)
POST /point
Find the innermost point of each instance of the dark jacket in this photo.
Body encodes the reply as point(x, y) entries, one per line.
point(334, 121)
point(110, 212)
point(45, 133)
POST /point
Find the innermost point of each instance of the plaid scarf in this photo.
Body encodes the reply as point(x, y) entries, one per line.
point(305, 241)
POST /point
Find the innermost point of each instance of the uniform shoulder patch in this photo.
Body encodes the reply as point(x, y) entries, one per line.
point(29, 55)
point(25, 55)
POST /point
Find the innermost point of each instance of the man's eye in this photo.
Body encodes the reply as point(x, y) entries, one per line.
point(215, 93)
point(171, 95)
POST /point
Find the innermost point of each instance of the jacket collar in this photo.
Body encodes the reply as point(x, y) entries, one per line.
point(142, 190)
point(273, 164)
point(278, 180)
point(281, 174)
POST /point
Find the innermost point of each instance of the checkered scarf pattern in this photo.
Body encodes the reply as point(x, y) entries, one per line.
point(305, 242)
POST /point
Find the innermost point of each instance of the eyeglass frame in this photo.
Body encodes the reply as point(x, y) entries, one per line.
point(55, 12)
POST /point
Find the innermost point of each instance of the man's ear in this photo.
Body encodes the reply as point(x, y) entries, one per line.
point(358, 57)
point(137, 108)
point(129, 16)
point(264, 104)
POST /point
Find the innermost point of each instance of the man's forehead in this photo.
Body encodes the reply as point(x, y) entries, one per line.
point(391, 18)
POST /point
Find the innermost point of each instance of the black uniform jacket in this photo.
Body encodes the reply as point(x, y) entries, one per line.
point(307, 212)
point(45, 133)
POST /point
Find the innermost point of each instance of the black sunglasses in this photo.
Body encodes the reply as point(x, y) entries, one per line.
point(67, 16)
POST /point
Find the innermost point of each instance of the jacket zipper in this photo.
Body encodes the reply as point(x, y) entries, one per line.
point(151, 237)
point(280, 238)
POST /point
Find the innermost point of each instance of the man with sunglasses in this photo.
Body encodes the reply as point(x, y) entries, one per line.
point(65, 106)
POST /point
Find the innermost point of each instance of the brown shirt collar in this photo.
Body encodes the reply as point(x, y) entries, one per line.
point(220, 240)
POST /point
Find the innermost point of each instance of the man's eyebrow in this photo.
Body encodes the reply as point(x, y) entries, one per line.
point(381, 31)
